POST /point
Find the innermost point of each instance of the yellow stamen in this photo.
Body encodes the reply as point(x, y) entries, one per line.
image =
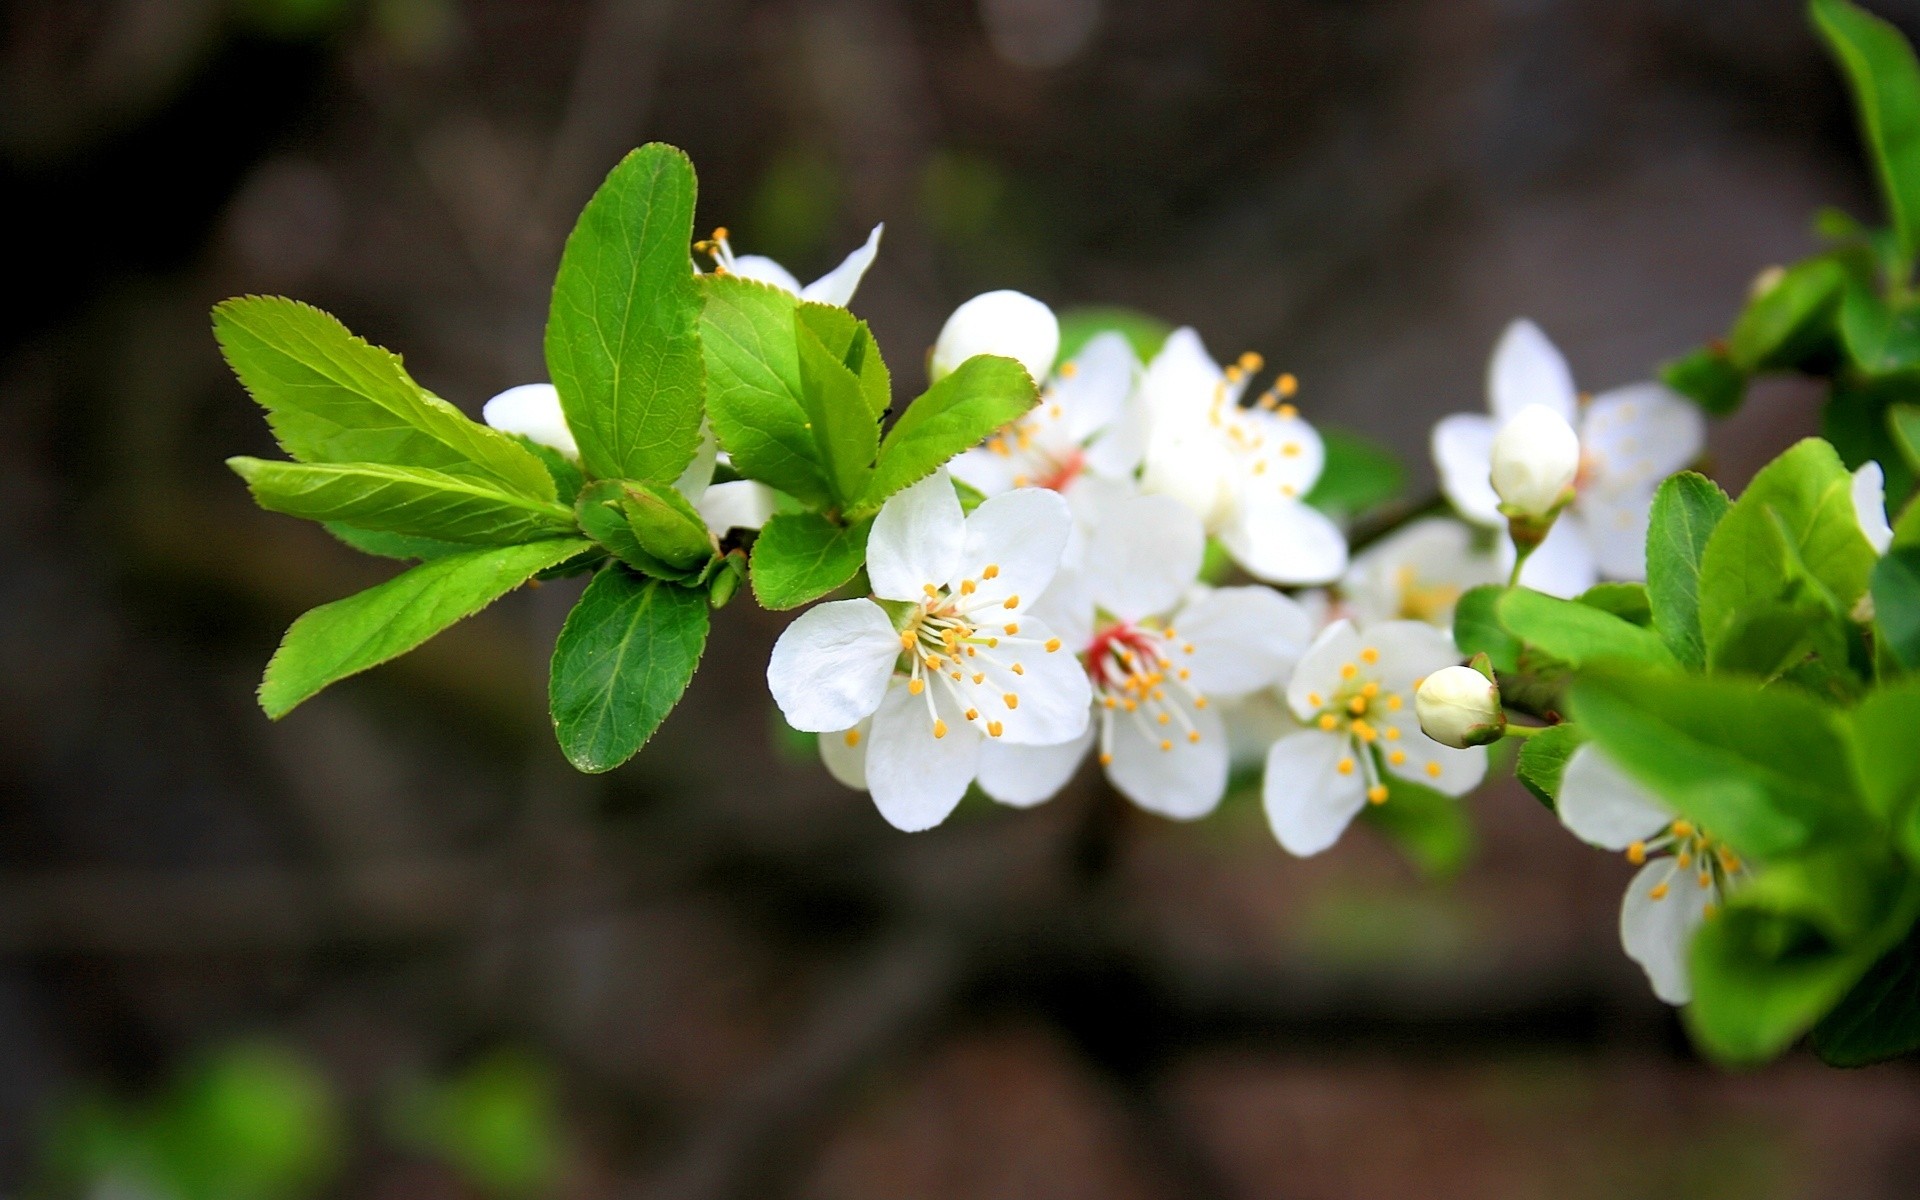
point(939, 728)
point(853, 737)
point(992, 571)
point(916, 686)
point(994, 728)
point(1398, 757)
point(1433, 770)
point(1377, 794)
point(1344, 766)
point(1637, 853)
point(1052, 645)
point(1193, 735)
point(1166, 745)
point(1659, 892)
point(1013, 601)
point(1348, 670)
point(1012, 700)
point(1328, 722)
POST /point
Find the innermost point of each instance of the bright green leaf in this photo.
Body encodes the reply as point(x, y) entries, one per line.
point(1477, 628)
point(407, 500)
point(846, 431)
point(333, 398)
point(625, 655)
point(1685, 511)
point(1882, 736)
point(1859, 419)
point(1708, 379)
point(849, 340)
point(1880, 338)
point(1628, 601)
point(1789, 319)
point(348, 636)
point(1078, 326)
point(667, 525)
point(1896, 603)
point(800, 557)
point(753, 386)
point(394, 545)
point(623, 335)
point(1575, 633)
point(1543, 759)
point(1903, 421)
point(604, 511)
point(978, 397)
point(1360, 474)
point(1885, 78)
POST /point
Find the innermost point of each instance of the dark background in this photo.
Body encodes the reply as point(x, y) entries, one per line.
point(743, 982)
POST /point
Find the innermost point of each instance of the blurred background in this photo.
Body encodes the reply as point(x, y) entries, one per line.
point(394, 947)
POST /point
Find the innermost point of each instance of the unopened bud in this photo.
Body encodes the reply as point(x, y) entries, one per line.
point(532, 410)
point(1008, 323)
point(1536, 457)
point(1460, 707)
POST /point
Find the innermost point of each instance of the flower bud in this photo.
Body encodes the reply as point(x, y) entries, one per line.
point(532, 410)
point(1536, 456)
point(1007, 323)
point(1460, 707)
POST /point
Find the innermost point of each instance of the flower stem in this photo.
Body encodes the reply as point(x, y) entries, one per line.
point(1526, 731)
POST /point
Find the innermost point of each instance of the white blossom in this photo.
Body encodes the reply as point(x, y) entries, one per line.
point(1536, 456)
point(954, 660)
point(532, 410)
point(1459, 707)
point(1630, 439)
point(1353, 693)
point(1417, 573)
point(836, 287)
point(1084, 424)
point(1007, 323)
point(1870, 505)
point(1244, 470)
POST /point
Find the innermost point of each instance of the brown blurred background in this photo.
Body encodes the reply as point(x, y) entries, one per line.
point(732, 977)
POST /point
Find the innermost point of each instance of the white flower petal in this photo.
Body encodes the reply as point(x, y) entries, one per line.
point(735, 504)
point(1415, 756)
point(916, 539)
point(1870, 505)
point(1193, 465)
point(1093, 394)
point(831, 666)
point(1635, 436)
point(1603, 806)
point(983, 470)
point(1143, 555)
point(1309, 801)
point(845, 754)
point(837, 286)
point(1409, 651)
point(699, 473)
point(1526, 369)
point(915, 778)
point(1616, 528)
point(1319, 671)
point(1118, 450)
point(1658, 934)
point(1184, 781)
point(1563, 565)
point(1243, 639)
point(1180, 381)
point(1298, 452)
point(1022, 533)
point(1286, 541)
point(1053, 694)
point(1008, 323)
point(1023, 776)
point(1417, 572)
point(1463, 456)
point(762, 269)
point(532, 410)
point(1066, 607)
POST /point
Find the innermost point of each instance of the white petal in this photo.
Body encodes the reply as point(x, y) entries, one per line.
point(1144, 554)
point(1528, 369)
point(1117, 451)
point(1255, 723)
point(1184, 781)
point(1193, 464)
point(845, 754)
point(1181, 380)
point(532, 410)
point(831, 665)
point(1294, 452)
point(1409, 651)
point(1023, 776)
point(763, 269)
point(699, 473)
point(1603, 806)
point(837, 286)
point(1008, 323)
point(1282, 540)
point(1023, 533)
point(983, 470)
point(1309, 802)
point(1319, 671)
point(1417, 572)
point(1066, 607)
point(1243, 639)
point(916, 539)
point(1053, 694)
point(1092, 395)
point(1425, 761)
point(915, 778)
point(1463, 455)
point(735, 504)
point(1635, 436)
point(1616, 528)
point(1658, 934)
point(1870, 505)
point(1563, 565)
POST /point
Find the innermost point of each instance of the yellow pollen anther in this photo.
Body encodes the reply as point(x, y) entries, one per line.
point(994, 728)
point(1290, 449)
point(1018, 669)
point(1369, 656)
point(1165, 718)
point(1286, 385)
point(1012, 628)
point(1166, 745)
point(1052, 645)
point(1377, 794)
point(1019, 481)
point(978, 679)
point(1685, 859)
point(1013, 601)
point(992, 571)
point(1187, 648)
point(1365, 732)
point(1329, 722)
point(916, 686)
point(1393, 702)
point(1344, 766)
point(1199, 701)
point(967, 587)
point(1106, 760)
point(1357, 705)
point(853, 737)
point(1370, 690)
point(1637, 853)
point(1012, 700)
point(1348, 670)
point(1313, 698)
point(1682, 829)
point(1706, 879)
point(1186, 673)
point(1433, 770)
point(929, 589)
point(1393, 734)
point(973, 714)
point(1659, 892)
point(1398, 756)
point(1707, 909)
point(1193, 735)
point(1289, 411)
point(939, 728)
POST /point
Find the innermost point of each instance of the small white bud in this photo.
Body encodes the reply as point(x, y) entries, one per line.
point(1008, 323)
point(1536, 457)
point(1459, 707)
point(532, 410)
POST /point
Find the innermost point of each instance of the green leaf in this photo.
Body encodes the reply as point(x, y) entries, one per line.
point(642, 530)
point(846, 431)
point(623, 335)
point(1790, 319)
point(1903, 421)
point(1859, 419)
point(1359, 474)
point(394, 545)
point(1880, 1018)
point(1543, 759)
point(978, 397)
point(1881, 339)
point(625, 655)
point(1477, 628)
point(1885, 78)
point(1707, 378)
point(1078, 326)
point(406, 500)
point(1881, 736)
point(800, 557)
point(753, 386)
point(1685, 511)
point(1765, 768)
point(565, 473)
point(1628, 601)
point(1575, 633)
point(851, 343)
point(333, 398)
point(667, 525)
point(1429, 827)
point(348, 636)
point(1799, 507)
point(1896, 603)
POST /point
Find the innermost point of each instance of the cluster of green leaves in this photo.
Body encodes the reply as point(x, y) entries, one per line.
point(650, 358)
point(1849, 315)
point(1756, 684)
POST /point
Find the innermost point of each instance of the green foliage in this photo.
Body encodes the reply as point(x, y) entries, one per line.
point(1078, 326)
point(1360, 474)
point(1429, 827)
point(1896, 604)
point(845, 434)
point(1577, 634)
point(1543, 759)
point(754, 390)
point(1885, 78)
point(623, 336)
point(1788, 320)
point(625, 655)
point(800, 557)
point(1880, 1017)
point(348, 636)
point(1708, 378)
point(1628, 601)
point(978, 397)
point(406, 500)
point(1685, 512)
point(497, 1123)
point(393, 545)
point(1477, 628)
